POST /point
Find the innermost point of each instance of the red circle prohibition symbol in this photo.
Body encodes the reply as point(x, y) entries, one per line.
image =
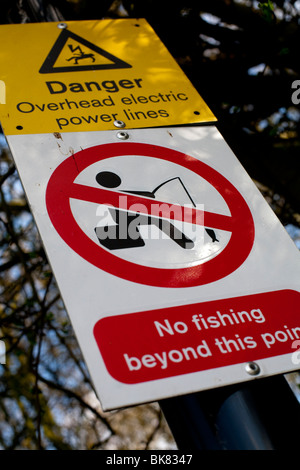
point(61, 188)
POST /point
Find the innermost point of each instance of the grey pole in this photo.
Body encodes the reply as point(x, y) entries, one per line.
point(263, 414)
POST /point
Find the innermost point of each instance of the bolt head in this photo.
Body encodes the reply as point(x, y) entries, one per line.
point(122, 135)
point(252, 368)
point(119, 123)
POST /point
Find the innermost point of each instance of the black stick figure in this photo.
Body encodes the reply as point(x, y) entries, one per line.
point(125, 234)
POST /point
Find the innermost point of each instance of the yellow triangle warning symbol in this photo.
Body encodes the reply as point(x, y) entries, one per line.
point(72, 53)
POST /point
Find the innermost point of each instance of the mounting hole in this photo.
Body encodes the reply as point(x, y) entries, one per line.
point(19, 128)
point(197, 113)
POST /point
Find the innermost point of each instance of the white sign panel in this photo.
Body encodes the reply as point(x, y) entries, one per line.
point(174, 270)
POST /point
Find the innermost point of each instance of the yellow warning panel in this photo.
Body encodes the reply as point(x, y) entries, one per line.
point(84, 75)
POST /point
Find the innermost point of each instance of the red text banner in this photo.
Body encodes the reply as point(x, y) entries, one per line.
point(156, 344)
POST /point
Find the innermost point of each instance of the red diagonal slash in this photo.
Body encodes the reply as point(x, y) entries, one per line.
point(150, 207)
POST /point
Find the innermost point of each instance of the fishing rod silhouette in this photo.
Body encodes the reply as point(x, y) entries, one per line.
point(117, 236)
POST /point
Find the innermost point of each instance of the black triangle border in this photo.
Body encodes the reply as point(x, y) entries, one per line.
point(48, 65)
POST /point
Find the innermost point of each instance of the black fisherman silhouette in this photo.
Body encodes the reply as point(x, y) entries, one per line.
point(125, 234)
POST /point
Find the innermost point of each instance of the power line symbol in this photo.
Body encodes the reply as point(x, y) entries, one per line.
point(51, 65)
point(80, 55)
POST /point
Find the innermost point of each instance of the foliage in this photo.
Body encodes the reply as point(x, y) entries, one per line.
point(267, 9)
point(242, 57)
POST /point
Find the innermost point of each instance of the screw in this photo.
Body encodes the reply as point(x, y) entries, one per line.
point(252, 368)
point(122, 135)
point(120, 124)
point(62, 25)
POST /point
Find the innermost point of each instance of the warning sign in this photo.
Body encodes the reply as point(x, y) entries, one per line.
point(176, 274)
point(72, 53)
point(137, 210)
point(88, 74)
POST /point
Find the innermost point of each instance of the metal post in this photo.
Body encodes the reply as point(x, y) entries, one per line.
point(260, 415)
